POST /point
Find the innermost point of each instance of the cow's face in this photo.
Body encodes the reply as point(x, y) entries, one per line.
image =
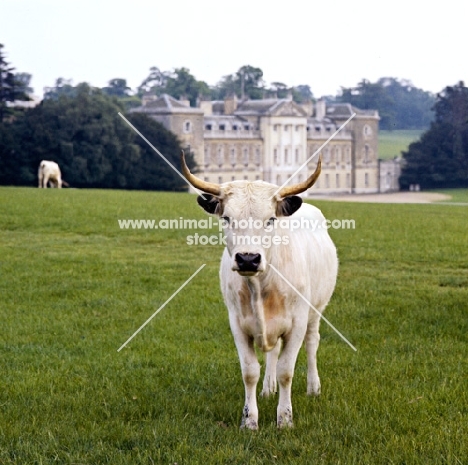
point(249, 212)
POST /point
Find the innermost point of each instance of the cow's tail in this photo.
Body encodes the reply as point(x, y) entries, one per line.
point(65, 183)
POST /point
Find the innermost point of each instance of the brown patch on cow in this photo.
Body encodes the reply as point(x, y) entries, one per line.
point(273, 304)
point(244, 296)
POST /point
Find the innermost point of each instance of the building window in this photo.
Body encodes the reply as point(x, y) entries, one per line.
point(275, 127)
point(233, 178)
point(207, 179)
point(233, 157)
point(366, 154)
point(208, 127)
point(286, 156)
point(257, 177)
point(338, 154)
point(246, 127)
point(337, 180)
point(366, 179)
point(220, 157)
point(367, 131)
point(327, 180)
point(234, 127)
point(222, 127)
point(348, 180)
point(348, 154)
point(246, 178)
point(258, 158)
point(207, 156)
point(246, 157)
point(275, 156)
point(187, 127)
point(298, 159)
point(278, 179)
point(297, 128)
point(220, 179)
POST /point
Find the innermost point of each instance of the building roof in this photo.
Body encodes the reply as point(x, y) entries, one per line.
point(345, 110)
point(165, 104)
point(270, 107)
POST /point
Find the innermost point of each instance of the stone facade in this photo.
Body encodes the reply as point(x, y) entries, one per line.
point(272, 140)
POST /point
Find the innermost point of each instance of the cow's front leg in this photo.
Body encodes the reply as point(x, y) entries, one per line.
point(269, 381)
point(285, 372)
point(250, 374)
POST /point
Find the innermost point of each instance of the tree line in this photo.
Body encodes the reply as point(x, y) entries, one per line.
point(78, 126)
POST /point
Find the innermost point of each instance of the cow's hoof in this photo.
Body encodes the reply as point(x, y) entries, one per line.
point(285, 419)
point(249, 423)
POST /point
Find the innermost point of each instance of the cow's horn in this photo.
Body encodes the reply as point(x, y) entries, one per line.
point(302, 186)
point(208, 187)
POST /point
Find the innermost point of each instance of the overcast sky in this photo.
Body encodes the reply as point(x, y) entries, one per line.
point(325, 44)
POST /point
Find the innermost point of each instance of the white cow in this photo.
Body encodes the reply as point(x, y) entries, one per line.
point(257, 281)
point(49, 171)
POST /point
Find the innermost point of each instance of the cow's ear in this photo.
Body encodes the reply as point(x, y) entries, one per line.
point(209, 203)
point(288, 205)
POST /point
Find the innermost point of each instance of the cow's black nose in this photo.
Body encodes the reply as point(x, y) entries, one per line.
point(248, 261)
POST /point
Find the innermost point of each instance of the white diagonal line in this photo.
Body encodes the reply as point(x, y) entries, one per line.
point(161, 307)
point(313, 308)
point(314, 154)
point(159, 153)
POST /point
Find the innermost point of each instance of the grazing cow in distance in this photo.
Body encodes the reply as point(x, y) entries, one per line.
point(49, 171)
point(258, 274)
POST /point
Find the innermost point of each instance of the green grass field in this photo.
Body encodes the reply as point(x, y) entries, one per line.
point(391, 143)
point(74, 287)
point(456, 195)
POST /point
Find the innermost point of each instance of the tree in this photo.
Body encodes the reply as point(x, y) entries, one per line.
point(302, 93)
point(400, 104)
point(179, 83)
point(371, 96)
point(118, 88)
point(94, 147)
point(440, 158)
point(247, 82)
point(11, 86)
point(63, 87)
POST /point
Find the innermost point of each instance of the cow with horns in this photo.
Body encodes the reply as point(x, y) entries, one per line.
point(276, 289)
point(49, 172)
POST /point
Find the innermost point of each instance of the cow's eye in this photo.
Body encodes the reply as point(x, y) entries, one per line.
point(226, 220)
point(271, 221)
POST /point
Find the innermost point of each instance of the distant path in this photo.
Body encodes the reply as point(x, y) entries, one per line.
point(394, 197)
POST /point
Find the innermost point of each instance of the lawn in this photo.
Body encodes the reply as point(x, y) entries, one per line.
point(456, 195)
point(391, 143)
point(74, 287)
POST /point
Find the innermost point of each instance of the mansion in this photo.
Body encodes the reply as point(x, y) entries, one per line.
point(271, 139)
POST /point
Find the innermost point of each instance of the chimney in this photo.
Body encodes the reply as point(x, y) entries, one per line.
point(320, 109)
point(230, 105)
point(147, 99)
point(207, 107)
point(184, 101)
